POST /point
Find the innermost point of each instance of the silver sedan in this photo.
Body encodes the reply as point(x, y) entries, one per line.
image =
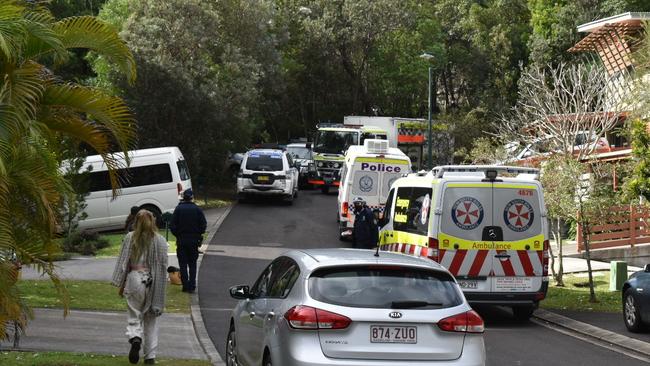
point(349, 307)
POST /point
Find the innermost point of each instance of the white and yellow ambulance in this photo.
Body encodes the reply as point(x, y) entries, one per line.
point(486, 224)
point(368, 172)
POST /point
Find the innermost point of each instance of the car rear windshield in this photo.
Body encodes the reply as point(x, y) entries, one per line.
point(384, 287)
point(265, 163)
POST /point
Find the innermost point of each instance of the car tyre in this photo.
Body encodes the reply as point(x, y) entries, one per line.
point(288, 200)
point(523, 313)
point(632, 312)
point(231, 348)
point(325, 189)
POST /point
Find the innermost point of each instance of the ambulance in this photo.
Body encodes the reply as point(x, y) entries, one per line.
point(368, 172)
point(486, 224)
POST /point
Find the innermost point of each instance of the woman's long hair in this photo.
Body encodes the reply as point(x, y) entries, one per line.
point(145, 230)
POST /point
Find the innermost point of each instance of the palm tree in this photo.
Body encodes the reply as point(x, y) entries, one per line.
point(37, 110)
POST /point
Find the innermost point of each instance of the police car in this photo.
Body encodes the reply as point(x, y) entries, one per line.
point(368, 172)
point(486, 224)
point(267, 172)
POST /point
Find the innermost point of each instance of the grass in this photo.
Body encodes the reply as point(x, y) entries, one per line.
point(16, 358)
point(575, 294)
point(93, 295)
point(115, 240)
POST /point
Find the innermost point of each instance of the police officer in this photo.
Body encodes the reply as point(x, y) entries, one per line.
point(365, 233)
point(188, 225)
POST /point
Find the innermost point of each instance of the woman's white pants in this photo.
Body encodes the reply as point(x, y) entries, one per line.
point(141, 322)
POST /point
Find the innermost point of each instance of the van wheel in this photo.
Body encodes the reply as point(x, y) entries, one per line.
point(156, 213)
point(523, 313)
point(325, 189)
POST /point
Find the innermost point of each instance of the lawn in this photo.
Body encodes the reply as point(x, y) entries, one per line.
point(17, 358)
point(575, 294)
point(93, 295)
point(115, 240)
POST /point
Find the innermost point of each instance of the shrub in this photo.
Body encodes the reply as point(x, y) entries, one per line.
point(86, 242)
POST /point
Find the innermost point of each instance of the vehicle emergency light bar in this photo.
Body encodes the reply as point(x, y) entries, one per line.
point(440, 171)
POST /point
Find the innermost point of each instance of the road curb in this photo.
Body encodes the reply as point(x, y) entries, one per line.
point(197, 319)
point(589, 331)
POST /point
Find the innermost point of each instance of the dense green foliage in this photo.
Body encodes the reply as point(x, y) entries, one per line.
point(38, 111)
point(248, 71)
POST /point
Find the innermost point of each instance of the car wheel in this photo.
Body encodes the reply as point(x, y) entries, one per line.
point(288, 200)
point(631, 312)
point(231, 349)
point(523, 313)
point(325, 189)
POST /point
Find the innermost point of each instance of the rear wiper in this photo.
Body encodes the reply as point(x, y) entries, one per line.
point(412, 304)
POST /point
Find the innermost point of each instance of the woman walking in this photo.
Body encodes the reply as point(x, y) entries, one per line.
point(140, 273)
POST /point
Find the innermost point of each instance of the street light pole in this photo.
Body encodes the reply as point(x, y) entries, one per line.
point(430, 139)
point(429, 57)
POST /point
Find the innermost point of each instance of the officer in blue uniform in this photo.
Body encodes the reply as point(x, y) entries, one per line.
point(188, 225)
point(365, 233)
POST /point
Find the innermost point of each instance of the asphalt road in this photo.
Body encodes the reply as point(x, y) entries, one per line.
point(254, 233)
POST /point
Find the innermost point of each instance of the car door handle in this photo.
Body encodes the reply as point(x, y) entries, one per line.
point(251, 315)
point(270, 315)
point(502, 256)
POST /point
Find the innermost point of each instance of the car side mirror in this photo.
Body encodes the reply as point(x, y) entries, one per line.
point(646, 268)
point(240, 292)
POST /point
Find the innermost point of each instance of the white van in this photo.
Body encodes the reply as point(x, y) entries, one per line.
point(368, 172)
point(486, 224)
point(154, 181)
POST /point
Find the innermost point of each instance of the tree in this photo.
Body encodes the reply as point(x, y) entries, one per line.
point(197, 88)
point(559, 106)
point(36, 109)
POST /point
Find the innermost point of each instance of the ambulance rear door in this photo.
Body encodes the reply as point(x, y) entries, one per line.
point(465, 214)
point(517, 261)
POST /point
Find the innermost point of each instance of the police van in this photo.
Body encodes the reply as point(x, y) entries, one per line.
point(368, 172)
point(486, 224)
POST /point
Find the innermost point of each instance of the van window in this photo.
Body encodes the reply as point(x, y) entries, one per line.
point(132, 177)
point(183, 171)
point(389, 179)
point(264, 162)
point(388, 208)
point(365, 183)
point(412, 209)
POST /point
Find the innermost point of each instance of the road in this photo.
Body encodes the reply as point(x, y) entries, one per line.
point(254, 233)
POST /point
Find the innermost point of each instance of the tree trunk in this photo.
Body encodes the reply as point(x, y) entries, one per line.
point(560, 270)
point(586, 238)
point(552, 257)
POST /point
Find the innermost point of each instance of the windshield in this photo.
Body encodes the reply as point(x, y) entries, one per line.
point(335, 142)
point(264, 162)
point(299, 152)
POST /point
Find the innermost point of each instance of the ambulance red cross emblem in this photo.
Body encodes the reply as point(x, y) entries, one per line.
point(518, 215)
point(467, 213)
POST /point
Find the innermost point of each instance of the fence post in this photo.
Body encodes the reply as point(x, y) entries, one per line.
point(632, 225)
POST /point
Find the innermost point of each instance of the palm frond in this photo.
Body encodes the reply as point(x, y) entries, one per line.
point(110, 126)
point(12, 29)
point(91, 33)
point(23, 88)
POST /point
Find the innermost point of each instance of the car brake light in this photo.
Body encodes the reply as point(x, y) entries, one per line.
point(545, 256)
point(179, 188)
point(344, 209)
point(306, 317)
point(467, 322)
point(433, 249)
